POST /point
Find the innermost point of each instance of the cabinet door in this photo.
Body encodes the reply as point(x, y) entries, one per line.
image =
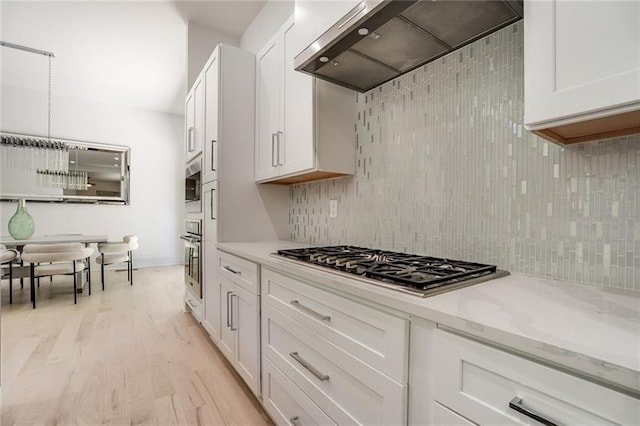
point(211, 102)
point(226, 344)
point(268, 93)
point(245, 323)
point(212, 313)
point(189, 119)
point(195, 121)
point(296, 146)
point(581, 57)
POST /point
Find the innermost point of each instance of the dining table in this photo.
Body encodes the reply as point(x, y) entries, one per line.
point(23, 270)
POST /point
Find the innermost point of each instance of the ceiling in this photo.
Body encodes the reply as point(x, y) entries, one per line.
point(131, 53)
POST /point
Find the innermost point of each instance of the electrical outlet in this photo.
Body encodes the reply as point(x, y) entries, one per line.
point(333, 209)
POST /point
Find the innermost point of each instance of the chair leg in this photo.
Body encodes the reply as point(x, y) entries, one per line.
point(11, 282)
point(102, 271)
point(21, 278)
point(50, 276)
point(75, 284)
point(89, 274)
point(131, 265)
point(32, 281)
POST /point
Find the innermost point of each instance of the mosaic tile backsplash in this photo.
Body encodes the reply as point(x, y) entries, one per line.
point(446, 168)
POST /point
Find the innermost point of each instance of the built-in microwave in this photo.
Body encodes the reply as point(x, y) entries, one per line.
point(192, 191)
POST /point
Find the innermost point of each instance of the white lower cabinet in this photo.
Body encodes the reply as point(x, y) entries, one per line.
point(239, 339)
point(286, 404)
point(324, 345)
point(482, 385)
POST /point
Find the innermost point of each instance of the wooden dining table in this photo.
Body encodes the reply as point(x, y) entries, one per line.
point(23, 271)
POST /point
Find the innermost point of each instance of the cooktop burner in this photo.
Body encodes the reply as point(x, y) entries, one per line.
point(412, 273)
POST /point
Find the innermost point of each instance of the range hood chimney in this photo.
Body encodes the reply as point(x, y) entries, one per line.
point(379, 40)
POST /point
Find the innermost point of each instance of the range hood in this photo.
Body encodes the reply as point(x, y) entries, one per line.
point(379, 40)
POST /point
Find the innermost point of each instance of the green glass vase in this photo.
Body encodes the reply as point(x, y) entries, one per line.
point(21, 225)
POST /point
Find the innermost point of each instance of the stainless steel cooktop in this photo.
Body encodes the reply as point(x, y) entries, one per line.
point(414, 274)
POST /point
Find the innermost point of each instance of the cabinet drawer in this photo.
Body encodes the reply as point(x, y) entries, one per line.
point(374, 337)
point(286, 404)
point(240, 271)
point(349, 391)
point(479, 382)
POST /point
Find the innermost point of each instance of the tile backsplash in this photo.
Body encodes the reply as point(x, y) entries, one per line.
point(446, 168)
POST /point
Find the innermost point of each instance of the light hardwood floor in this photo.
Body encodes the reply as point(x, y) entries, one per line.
point(128, 355)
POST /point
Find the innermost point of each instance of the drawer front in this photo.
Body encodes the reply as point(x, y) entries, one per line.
point(349, 391)
point(374, 337)
point(480, 383)
point(286, 404)
point(240, 271)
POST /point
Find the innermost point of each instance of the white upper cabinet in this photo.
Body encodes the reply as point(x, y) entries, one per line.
point(194, 118)
point(582, 69)
point(211, 77)
point(305, 128)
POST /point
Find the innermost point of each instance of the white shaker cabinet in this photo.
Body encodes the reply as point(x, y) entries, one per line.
point(211, 286)
point(211, 77)
point(194, 119)
point(484, 385)
point(582, 69)
point(240, 325)
point(304, 127)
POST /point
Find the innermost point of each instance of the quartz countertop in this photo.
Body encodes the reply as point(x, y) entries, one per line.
point(590, 330)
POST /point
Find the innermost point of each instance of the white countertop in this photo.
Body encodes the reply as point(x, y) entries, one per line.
point(591, 330)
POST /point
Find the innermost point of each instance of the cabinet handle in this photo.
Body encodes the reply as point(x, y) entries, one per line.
point(295, 421)
point(312, 369)
point(232, 327)
point(230, 269)
point(228, 309)
point(212, 195)
point(518, 405)
point(190, 138)
point(278, 133)
point(191, 304)
point(273, 149)
point(213, 166)
point(310, 311)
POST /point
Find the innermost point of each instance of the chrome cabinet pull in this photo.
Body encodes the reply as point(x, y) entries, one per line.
point(278, 133)
point(232, 311)
point(213, 167)
point(518, 405)
point(295, 421)
point(310, 311)
point(212, 195)
point(228, 309)
point(312, 369)
point(230, 269)
point(273, 149)
point(190, 132)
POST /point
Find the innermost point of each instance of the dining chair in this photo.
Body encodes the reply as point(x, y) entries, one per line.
point(117, 252)
point(7, 258)
point(60, 259)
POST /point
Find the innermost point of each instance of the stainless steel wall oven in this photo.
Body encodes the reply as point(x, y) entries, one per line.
point(192, 255)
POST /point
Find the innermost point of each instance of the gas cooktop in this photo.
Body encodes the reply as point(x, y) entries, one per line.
point(411, 273)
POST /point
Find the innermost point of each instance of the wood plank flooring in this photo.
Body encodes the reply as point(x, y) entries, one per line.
point(125, 356)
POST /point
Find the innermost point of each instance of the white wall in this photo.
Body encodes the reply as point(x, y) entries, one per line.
point(271, 17)
point(201, 41)
point(157, 173)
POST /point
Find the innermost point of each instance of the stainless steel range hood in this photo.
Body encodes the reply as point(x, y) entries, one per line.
point(379, 40)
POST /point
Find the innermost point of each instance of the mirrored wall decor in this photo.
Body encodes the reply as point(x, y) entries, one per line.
point(58, 170)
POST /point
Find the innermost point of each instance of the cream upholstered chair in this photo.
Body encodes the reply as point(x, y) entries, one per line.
point(7, 258)
point(118, 252)
point(61, 259)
